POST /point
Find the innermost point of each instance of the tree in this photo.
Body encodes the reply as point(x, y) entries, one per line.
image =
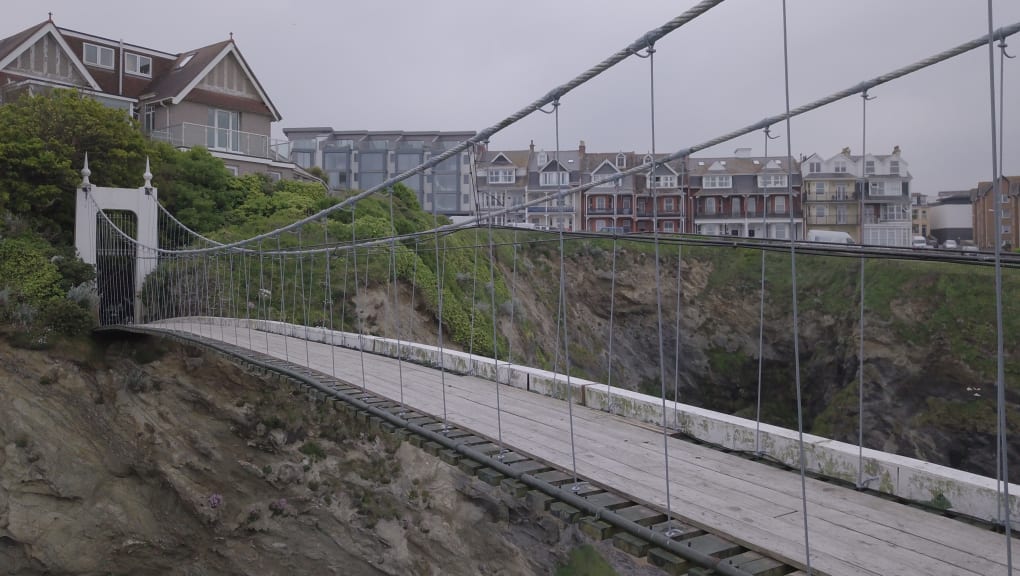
point(43, 141)
point(194, 186)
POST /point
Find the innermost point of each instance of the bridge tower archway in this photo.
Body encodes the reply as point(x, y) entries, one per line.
point(136, 212)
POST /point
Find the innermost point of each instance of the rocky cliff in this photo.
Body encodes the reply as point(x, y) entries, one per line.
point(928, 347)
point(147, 458)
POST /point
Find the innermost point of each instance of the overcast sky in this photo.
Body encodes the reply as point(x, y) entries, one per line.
point(466, 64)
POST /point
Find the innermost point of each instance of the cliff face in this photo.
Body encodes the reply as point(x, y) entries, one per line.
point(149, 458)
point(928, 361)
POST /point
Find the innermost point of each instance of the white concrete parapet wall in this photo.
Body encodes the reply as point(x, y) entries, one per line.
point(941, 486)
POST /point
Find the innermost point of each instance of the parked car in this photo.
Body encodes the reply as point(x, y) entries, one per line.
point(968, 246)
point(950, 245)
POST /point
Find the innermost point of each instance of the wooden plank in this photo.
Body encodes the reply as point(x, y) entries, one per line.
point(758, 505)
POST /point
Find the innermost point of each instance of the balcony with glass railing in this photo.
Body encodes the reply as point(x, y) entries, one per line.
point(188, 135)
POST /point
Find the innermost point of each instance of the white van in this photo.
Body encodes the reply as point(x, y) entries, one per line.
point(829, 237)
point(919, 242)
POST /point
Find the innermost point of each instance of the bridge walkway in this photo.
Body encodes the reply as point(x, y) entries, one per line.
point(754, 504)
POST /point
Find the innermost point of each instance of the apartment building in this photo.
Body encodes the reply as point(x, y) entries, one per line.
point(360, 160)
point(983, 213)
point(662, 198)
point(868, 197)
point(748, 196)
point(206, 96)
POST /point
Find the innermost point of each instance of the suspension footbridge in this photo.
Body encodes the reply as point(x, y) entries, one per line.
point(276, 295)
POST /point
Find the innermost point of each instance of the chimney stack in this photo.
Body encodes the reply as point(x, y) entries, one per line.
point(532, 146)
point(581, 148)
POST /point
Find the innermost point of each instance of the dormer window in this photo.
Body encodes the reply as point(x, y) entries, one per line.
point(894, 167)
point(501, 176)
point(814, 167)
point(185, 60)
point(869, 167)
point(840, 167)
point(100, 56)
point(138, 64)
point(647, 159)
point(663, 181)
point(621, 161)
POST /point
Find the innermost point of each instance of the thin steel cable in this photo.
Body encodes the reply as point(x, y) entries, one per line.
point(861, 482)
point(1002, 114)
point(283, 300)
point(495, 342)
point(440, 273)
point(329, 298)
point(793, 291)
point(486, 134)
point(513, 307)
point(357, 313)
point(679, 295)
point(658, 293)
point(305, 300)
point(396, 304)
point(1000, 357)
point(761, 305)
point(563, 309)
point(612, 318)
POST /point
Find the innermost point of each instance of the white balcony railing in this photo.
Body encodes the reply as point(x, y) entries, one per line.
point(188, 135)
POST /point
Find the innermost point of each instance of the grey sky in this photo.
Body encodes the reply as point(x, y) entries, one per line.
point(465, 64)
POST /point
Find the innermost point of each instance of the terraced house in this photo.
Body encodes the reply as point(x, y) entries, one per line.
point(839, 189)
point(206, 96)
point(744, 195)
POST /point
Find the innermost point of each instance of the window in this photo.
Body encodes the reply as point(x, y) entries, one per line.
point(621, 161)
point(231, 169)
point(814, 167)
point(752, 204)
point(223, 132)
point(840, 167)
point(664, 181)
point(869, 167)
point(275, 176)
point(780, 206)
point(667, 205)
point(709, 206)
point(877, 188)
point(894, 167)
point(819, 187)
point(304, 159)
point(149, 118)
point(717, 182)
point(735, 207)
point(372, 162)
point(779, 231)
point(667, 226)
point(819, 211)
point(841, 215)
point(841, 192)
point(99, 56)
point(600, 203)
point(137, 64)
point(184, 61)
point(501, 176)
point(772, 180)
point(549, 178)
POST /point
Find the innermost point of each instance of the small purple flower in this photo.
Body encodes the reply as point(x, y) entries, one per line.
point(215, 501)
point(278, 506)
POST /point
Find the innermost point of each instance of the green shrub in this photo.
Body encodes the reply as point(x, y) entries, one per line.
point(67, 318)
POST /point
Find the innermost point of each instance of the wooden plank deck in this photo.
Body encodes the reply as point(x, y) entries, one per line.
point(757, 505)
